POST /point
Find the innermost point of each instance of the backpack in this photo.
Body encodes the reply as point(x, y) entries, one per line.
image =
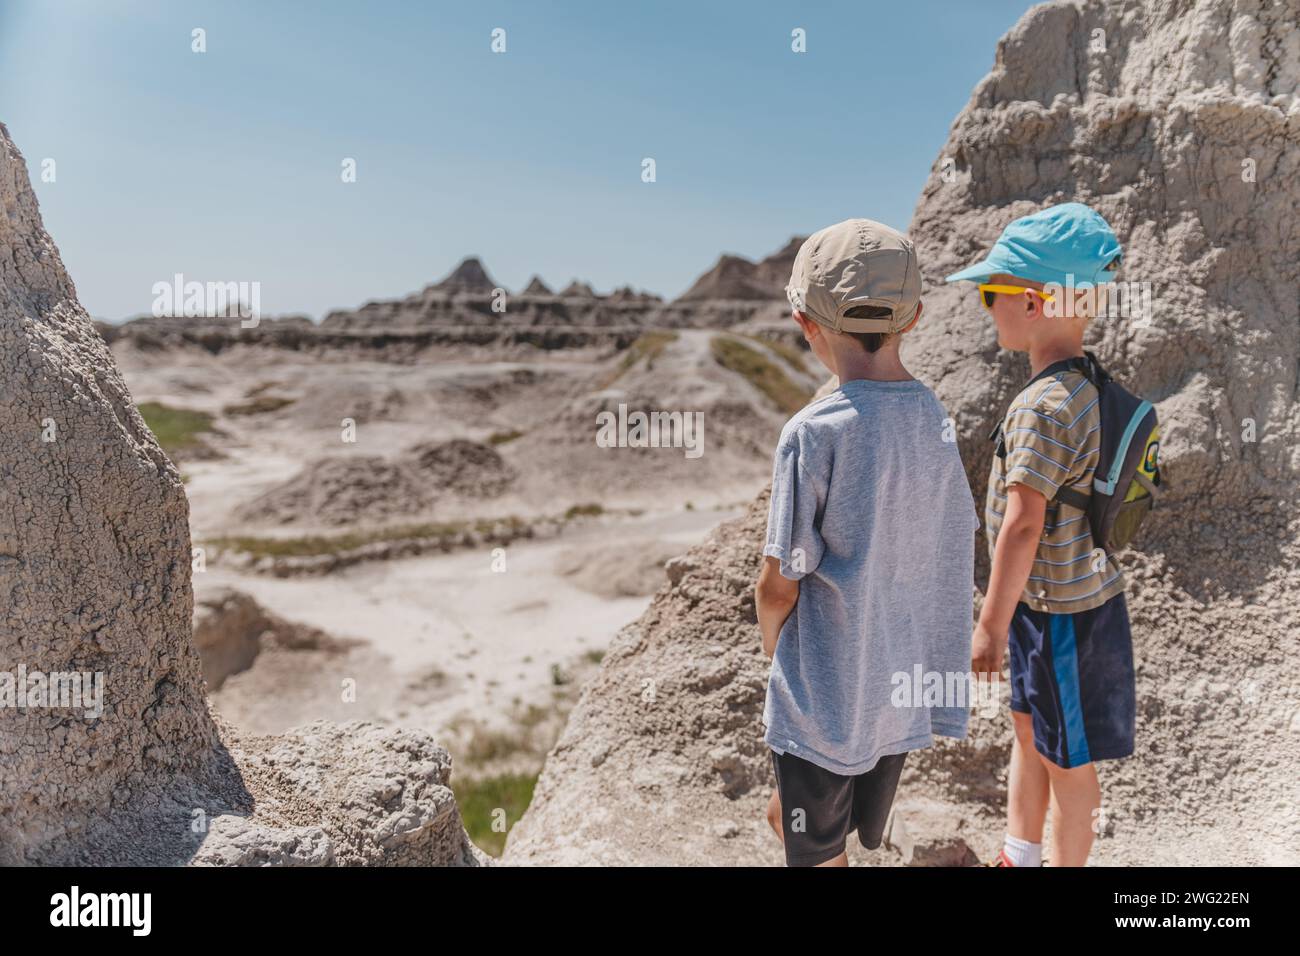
point(1127, 479)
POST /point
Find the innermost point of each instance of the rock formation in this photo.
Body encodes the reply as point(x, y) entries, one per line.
point(231, 630)
point(625, 293)
point(463, 308)
point(344, 490)
point(578, 290)
point(469, 276)
point(737, 278)
point(732, 277)
point(1179, 122)
point(95, 579)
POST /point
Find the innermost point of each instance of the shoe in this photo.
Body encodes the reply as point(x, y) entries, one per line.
point(1004, 860)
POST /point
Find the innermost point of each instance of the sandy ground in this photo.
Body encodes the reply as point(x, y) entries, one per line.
point(446, 637)
point(393, 407)
point(499, 643)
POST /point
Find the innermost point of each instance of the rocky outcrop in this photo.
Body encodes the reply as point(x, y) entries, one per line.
point(1180, 123)
point(469, 276)
point(625, 293)
point(354, 794)
point(737, 278)
point(662, 760)
point(466, 309)
point(228, 629)
point(231, 630)
point(368, 488)
point(95, 580)
point(345, 335)
point(578, 290)
point(95, 545)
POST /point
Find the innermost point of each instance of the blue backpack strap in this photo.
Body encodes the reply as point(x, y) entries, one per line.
point(1107, 486)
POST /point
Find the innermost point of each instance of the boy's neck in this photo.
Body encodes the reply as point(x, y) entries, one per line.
point(1043, 354)
point(857, 363)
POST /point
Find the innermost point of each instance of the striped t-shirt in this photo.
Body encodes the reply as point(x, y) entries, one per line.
point(1052, 437)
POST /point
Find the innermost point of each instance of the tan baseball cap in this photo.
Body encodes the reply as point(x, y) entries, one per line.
point(853, 263)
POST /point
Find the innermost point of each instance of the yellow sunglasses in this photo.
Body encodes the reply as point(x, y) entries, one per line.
point(987, 290)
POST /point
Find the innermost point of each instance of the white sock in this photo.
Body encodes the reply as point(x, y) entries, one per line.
point(1022, 852)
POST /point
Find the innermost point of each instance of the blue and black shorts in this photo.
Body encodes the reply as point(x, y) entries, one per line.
point(1073, 673)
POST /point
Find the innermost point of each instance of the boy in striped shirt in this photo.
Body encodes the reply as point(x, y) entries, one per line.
point(1055, 600)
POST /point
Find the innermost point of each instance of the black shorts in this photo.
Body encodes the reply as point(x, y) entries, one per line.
point(819, 807)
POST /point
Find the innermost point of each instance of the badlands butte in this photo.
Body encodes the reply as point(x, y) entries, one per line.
point(318, 561)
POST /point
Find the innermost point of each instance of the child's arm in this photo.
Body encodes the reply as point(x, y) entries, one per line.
point(774, 598)
point(1013, 557)
point(793, 545)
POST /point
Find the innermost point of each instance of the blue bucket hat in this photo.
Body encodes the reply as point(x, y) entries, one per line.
point(1053, 245)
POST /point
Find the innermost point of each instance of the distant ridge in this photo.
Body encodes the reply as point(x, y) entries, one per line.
point(735, 277)
point(469, 276)
point(578, 290)
point(627, 294)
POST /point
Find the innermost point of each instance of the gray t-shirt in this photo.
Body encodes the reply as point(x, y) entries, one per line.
point(872, 514)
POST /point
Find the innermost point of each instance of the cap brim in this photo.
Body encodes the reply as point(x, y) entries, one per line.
point(980, 270)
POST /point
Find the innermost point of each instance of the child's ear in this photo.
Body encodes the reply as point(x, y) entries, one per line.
point(915, 318)
point(1033, 306)
point(809, 327)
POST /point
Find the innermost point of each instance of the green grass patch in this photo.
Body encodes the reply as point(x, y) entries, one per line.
point(759, 371)
point(310, 546)
point(258, 406)
point(178, 430)
point(316, 545)
point(793, 355)
point(532, 716)
point(648, 346)
point(479, 801)
point(486, 745)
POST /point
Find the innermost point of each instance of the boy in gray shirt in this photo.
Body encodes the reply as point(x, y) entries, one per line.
point(865, 596)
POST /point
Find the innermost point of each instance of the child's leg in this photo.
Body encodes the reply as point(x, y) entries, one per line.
point(1077, 796)
point(1028, 783)
point(1092, 652)
point(774, 815)
point(1028, 786)
point(816, 811)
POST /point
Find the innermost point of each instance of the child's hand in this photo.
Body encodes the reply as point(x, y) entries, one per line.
point(986, 650)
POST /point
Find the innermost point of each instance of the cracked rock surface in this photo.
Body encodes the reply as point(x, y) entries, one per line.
point(95, 579)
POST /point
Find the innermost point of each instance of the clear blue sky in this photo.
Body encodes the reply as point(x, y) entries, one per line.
point(226, 165)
